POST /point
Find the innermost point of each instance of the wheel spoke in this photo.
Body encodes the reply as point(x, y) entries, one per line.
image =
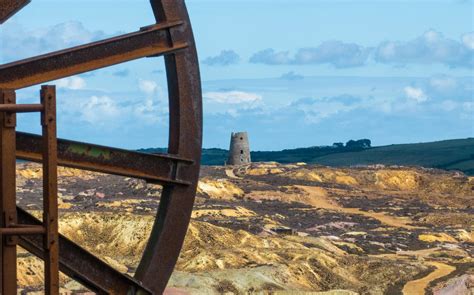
point(156, 168)
point(150, 41)
point(80, 265)
point(172, 37)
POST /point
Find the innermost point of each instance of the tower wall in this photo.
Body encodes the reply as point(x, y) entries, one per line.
point(239, 151)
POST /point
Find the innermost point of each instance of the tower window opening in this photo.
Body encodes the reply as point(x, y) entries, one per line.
point(241, 152)
point(241, 138)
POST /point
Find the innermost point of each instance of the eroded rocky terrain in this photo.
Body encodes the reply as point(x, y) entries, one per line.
point(284, 229)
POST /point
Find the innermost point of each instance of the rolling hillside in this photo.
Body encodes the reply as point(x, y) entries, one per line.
point(457, 154)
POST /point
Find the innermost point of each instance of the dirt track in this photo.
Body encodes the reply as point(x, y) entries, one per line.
point(320, 201)
point(418, 287)
point(268, 228)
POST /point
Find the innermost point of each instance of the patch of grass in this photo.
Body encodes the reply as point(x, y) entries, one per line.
point(449, 154)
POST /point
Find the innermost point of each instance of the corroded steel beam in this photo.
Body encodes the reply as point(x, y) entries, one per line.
point(80, 265)
point(21, 108)
point(9, 7)
point(172, 36)
point(163, 169)
point(8, 267)
point(150, 41)
point(50, 190)
point(185, 139)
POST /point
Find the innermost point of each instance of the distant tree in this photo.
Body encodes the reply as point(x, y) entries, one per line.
point(351, 144)
point(361, 143)
point(365, 143)
point(338, 145)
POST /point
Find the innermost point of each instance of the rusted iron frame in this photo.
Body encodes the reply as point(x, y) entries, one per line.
point(22, 230)
point(7, 194)
point(21, 108)
point(185, 140)
point(151, 41)
point(80, 265)
point(50, 190)
point(10, 7)
point(10, 229)
point(164, 169)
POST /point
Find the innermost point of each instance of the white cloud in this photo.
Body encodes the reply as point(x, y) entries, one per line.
point(225, 58)
point(146, 106)
point(428, 48)
point(19, 42)
point(443, 83)
point(233, 97)
point(416, 94)
point(448, 105)
point(431, 47)
point(147, 86)
point(468, 106)
point(233, 113)
point(271, 57)
point(337, 53)
point(432, 36)
point(150, 112)
point(468, 40)
point(324, 110)
point(316, 110)
point(99, 109)
point(73, 83)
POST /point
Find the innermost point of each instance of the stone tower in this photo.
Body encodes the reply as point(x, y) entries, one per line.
point(239, 152)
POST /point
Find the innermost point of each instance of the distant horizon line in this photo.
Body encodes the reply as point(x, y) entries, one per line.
point(315, 146)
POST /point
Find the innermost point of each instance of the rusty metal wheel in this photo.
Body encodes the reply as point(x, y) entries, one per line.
point(177, 171)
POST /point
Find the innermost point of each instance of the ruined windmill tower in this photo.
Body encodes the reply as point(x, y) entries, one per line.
point(239, 152)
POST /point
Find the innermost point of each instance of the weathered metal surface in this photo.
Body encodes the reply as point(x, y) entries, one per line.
point(9, 227)
point(21, 108)
point(151, 41)
point(163, 169)
point(185, 100)
point(24, 230)
point(9, 7)
point(80, 265)
point(178, 171)
point(50, 190)
point(7, 193)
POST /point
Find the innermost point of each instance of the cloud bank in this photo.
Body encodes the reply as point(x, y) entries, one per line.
point(429, 48)
point(24, 43)
point(232, 97)
point(225, 58)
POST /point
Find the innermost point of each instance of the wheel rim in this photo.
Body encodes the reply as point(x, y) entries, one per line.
point(172, 37)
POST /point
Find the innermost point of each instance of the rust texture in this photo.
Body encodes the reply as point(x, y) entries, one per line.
point(177, 171)
point(158, 168)
point(9, 7)
point(10, 228)
point(7, 192)
point(50, 190)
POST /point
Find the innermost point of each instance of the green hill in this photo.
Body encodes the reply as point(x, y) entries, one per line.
point(455, 154)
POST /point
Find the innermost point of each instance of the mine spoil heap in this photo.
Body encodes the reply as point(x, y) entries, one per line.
point(262, 227)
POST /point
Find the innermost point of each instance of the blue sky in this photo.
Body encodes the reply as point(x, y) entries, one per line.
point(291, 73)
